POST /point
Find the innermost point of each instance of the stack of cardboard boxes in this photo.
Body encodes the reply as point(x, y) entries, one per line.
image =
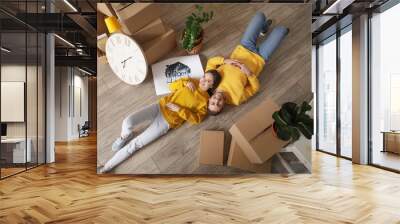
point(143, 23)
point(253, 141)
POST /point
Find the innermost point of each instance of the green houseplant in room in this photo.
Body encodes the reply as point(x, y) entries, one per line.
point(193, 33)
point(292, 120)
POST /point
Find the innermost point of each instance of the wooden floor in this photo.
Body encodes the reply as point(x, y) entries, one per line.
point(386, 159)
point(286, 77)
point(70, 191)
point(10, 171)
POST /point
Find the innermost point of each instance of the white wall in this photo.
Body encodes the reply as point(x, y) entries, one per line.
point(12, 101)
point(16, 73)
point(79, 117)
point(62, 81)
point(68, 82)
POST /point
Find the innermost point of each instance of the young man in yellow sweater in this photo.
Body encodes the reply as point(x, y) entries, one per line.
point(240, 72)
point(187, 102)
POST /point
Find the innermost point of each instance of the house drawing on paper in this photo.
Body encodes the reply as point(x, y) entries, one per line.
point(176, 71)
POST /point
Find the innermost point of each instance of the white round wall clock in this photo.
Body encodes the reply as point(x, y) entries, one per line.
point(126, 58)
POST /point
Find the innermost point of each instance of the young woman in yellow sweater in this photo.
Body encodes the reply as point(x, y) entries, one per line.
point(240, 71)
point(187, 102)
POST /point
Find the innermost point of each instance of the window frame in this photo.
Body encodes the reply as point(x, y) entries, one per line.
point(339, 32)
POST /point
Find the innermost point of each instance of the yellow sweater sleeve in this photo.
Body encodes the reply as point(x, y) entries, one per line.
point(214, 62)
point(193, 117)
point(252, 88)
point(180, 83)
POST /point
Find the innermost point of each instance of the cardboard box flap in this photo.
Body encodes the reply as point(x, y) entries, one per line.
point(132, 10)
point(119, 6)
point(211, 147)
point(258, 119)
point(101, 26)
point(155, 49)
point(106, 9)
point(238, 159)
point(150, 31)
point(267, 145)
point(253, 133)
point(138, 15)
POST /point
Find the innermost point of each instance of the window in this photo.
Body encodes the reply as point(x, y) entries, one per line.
point(346, 92)
point(385, 89)
point(334, 95)
point(327, 95)
point(22, 77)
point(394, 116)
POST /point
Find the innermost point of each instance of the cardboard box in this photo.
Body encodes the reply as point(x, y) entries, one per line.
point(239, 160)
point(212, 147)
point(119, 6)
point(150, 31)
point(138, 15)
point(101, 25)
point(253, 133)
point(106, 9)
point(101, 42)
point(101, 57)
point(155, 49)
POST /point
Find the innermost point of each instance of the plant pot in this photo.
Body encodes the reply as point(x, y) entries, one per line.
point(197, 45)
point(196, 49)
point(274, 132)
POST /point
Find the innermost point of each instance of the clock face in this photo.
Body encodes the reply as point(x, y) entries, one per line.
point(126, 58)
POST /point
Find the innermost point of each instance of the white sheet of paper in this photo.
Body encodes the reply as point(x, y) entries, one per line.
point(169, 70)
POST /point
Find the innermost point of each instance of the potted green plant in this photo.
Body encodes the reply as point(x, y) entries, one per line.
point(292, 120)
point(193, 33)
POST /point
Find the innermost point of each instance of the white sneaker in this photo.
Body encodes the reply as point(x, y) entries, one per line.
point(101, 170)
point(263, 33)
point(121, 142)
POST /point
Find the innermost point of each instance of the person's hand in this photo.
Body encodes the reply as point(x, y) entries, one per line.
point(173, 107)
point(239, 65)
point(245, 70)
point(191, 86)
point(232, 62)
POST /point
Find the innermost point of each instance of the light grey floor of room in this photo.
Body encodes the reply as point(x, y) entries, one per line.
point(286, 77)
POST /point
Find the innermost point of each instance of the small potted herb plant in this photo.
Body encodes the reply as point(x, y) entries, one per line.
point(291, 120)
point(193, 33)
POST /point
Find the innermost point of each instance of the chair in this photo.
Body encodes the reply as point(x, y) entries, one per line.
point(84, 130)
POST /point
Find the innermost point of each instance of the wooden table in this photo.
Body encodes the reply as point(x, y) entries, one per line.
point(13, 150)
point(391, 141)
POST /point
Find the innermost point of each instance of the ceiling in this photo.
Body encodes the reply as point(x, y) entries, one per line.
point(22, 20)
point(78, 26)
point(326, 21)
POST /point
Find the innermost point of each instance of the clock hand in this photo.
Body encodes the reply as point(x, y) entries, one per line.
point(124, 61)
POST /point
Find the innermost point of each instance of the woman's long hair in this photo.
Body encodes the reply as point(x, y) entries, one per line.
point(216, 80)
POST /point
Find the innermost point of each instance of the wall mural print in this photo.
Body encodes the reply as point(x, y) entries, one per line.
point(214, 101)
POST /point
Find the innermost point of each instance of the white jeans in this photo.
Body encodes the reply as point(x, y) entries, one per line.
point(158, 127)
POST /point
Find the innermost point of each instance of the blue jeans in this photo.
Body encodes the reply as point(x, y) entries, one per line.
point(259, 24)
